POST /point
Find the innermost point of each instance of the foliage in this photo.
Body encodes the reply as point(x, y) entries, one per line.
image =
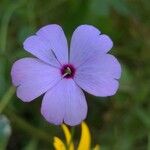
point(121, 122)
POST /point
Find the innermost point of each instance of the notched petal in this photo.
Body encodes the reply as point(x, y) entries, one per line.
point(61, 103)
point(48, 38)
point(32, 77)
point(87, 41)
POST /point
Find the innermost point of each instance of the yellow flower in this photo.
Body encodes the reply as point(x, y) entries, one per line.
point(85, 140)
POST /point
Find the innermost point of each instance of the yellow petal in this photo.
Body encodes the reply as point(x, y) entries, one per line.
point(85, 140)
point(58, 144)
point(68, 137)
point(97, 147)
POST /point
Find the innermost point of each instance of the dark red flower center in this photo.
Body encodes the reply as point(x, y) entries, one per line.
point(67, 71)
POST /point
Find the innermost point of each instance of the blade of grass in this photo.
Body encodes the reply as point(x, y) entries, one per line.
point(6, 98)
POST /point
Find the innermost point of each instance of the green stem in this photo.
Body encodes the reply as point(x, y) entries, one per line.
point(6, 98)
point(27, 128)
point(19, 122)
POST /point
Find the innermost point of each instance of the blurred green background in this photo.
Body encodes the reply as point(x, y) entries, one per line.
point(120, 122)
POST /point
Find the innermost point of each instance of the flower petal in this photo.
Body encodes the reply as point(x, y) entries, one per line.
point(65, 102)
point(97, 147)
point(86, 42)
point(68, 137)
point(98, 75)
point(58, 144)
point(49, 44)
point(54, 35)
point(33, 78)
point(41, 50)
point(85, 140)
point(97, 85)
point(105, 65)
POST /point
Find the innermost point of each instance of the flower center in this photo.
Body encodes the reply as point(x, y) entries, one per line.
point(67, 71)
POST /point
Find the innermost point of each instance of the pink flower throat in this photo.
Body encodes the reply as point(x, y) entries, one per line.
point(68, 71)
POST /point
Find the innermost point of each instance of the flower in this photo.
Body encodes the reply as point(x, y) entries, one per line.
point(62, 74)
point(85, 140)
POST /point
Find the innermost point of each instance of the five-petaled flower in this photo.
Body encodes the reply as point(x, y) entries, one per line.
point(62, 74)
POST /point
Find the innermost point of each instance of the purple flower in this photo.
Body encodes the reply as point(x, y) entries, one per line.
point(62, 74)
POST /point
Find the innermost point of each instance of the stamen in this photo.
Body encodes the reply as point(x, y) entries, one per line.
point(67, 71)
point(64, 75)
